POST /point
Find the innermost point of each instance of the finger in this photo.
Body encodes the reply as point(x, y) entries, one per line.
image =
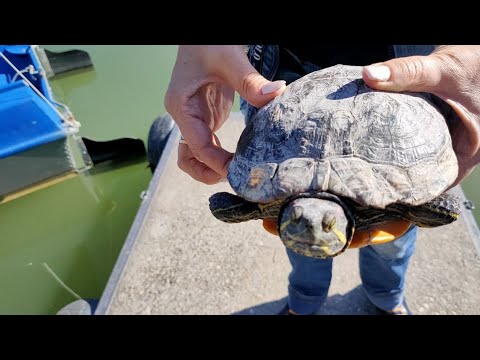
point(203, 146)
point(246, 80)
point(196, 169)
point(413, 73)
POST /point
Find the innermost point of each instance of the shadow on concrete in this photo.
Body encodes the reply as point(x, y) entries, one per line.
point(270, 308)
point(354, 302)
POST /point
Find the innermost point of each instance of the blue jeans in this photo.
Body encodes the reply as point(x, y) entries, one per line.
point(382, 269)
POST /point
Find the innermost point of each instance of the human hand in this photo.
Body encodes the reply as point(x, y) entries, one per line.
point(451, 72)
point(200, 97)
point(379, 234)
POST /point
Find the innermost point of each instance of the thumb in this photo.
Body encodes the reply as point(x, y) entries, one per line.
point(252, 86)
point(413, 73)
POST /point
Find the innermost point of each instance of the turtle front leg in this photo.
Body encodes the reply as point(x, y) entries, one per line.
point(440, 211)
point(231, 208)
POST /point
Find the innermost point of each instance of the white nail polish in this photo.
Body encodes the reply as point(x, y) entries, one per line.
point(273, 86)
point(377, 72)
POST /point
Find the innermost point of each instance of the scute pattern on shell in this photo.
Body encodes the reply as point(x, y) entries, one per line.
point(330, 132)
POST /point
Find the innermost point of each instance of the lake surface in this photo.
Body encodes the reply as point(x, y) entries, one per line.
point(66, 238)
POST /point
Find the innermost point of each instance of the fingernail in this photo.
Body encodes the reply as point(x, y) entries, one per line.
point(272, 87)
point(377, 72)
point(223, 180)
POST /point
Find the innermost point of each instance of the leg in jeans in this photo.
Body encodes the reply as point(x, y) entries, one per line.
point(383, 268)
point(309, 281)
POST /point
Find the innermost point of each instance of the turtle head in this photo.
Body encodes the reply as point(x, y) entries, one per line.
point(315, 227)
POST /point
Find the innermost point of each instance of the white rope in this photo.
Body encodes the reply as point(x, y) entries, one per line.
point(30, 69)
point(58, 280)
point(70, 119)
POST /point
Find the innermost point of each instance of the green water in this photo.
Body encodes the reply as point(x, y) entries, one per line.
point(472, 192)
point(74, 230)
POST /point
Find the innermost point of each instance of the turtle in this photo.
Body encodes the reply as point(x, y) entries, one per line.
point(331, 155)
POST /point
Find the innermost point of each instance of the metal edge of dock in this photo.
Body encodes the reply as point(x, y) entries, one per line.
point(468, 219)
point(142, 214)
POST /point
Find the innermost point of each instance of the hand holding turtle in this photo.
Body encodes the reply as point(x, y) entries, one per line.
point(199, 98)
point(451, 73)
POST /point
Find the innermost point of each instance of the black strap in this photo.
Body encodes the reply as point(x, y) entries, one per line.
point(255, 56)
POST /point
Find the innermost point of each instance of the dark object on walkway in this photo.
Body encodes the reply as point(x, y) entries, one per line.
point(158, 136)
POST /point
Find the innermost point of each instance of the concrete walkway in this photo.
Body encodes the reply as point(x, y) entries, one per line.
point(179, 259)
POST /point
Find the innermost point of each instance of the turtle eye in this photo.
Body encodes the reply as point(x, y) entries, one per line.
point(296, 214)
point(328, 221)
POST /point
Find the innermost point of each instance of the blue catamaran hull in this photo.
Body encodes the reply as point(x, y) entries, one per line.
point(38, 141)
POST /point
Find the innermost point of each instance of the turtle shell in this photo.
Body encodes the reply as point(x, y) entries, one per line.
point(330, 132)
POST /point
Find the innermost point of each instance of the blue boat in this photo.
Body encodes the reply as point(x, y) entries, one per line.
point(39, 145)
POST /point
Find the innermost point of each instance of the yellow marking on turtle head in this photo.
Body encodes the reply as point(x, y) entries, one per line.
point(326, 250)
point(340, 235)
point(284, 225)
point(307, 252)
point(290, 242)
